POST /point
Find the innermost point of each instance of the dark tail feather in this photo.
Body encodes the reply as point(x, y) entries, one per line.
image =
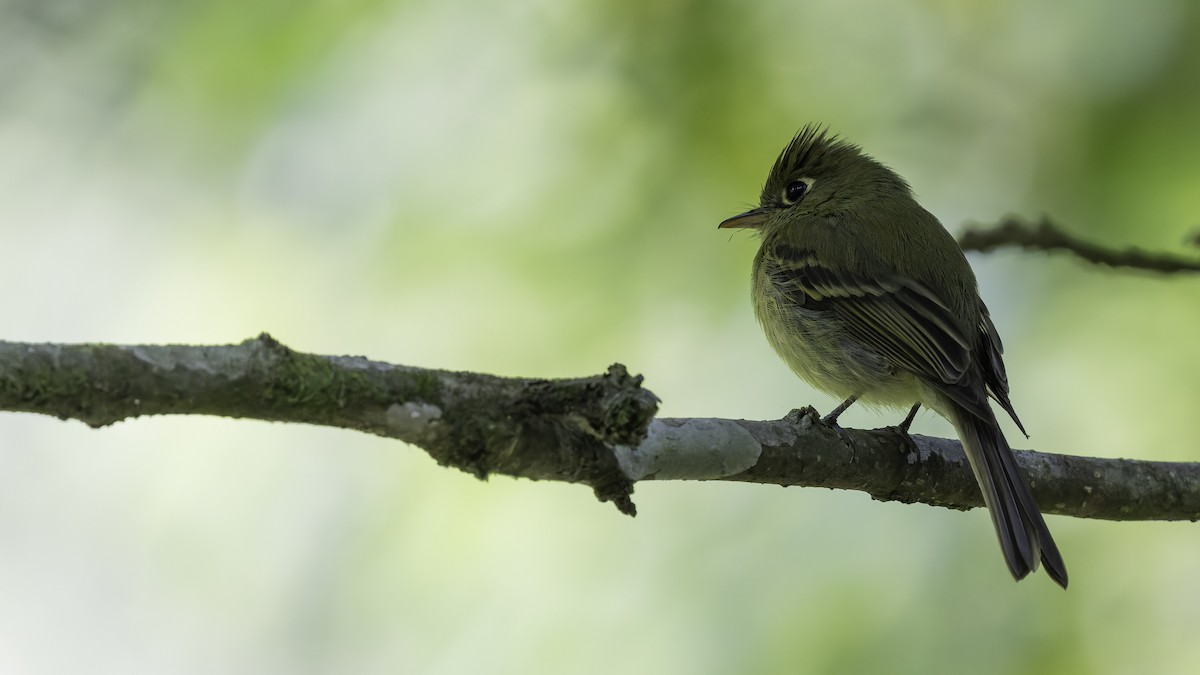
point(1023, 534)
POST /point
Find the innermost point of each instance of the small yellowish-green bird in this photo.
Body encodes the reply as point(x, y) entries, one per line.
point(866, 296)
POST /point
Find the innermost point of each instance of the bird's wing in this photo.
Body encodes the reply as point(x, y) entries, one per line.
point(901, 319)
point(993, 364)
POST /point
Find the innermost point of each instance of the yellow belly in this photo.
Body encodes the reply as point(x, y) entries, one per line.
point(816, 346)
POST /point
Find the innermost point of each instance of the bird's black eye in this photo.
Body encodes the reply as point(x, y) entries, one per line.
point(794, 191)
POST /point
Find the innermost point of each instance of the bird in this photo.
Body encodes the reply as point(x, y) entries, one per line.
point(864, 294)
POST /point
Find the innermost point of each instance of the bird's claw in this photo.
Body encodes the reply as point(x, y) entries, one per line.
point(908, 446)
point(830, 421)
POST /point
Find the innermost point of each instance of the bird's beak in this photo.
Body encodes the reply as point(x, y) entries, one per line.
point(753, 219)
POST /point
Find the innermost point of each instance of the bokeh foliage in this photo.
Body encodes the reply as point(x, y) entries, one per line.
point(532, 188)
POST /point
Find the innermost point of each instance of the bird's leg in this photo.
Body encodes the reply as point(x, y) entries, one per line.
point(831, 418)
point(910, 446)
point(912, 415)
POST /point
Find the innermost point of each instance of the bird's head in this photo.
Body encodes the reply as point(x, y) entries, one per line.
point(818, 175)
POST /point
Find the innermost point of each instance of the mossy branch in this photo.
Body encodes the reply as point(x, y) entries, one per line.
point(597, 430)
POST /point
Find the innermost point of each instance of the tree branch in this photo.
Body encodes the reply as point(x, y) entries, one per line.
point(800, 450)
point(1045, 236)
point(596, 430)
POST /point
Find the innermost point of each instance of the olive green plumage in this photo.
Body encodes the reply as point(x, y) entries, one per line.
point(865, 295)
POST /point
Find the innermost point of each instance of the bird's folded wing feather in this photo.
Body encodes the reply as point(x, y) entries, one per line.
point(900, 319)
point(993, 365)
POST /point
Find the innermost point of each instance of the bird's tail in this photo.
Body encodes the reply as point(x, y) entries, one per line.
point(1023, 534)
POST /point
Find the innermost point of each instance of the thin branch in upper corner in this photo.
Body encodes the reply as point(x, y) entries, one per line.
point(1046, 236)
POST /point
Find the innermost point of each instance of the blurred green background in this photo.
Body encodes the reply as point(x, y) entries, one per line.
point(532, 188)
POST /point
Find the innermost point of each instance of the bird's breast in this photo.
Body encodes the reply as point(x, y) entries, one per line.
point(815, 344)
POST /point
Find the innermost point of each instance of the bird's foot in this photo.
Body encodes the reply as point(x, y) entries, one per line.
point(909, 446)
point(842, 434)
point(831, 420)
